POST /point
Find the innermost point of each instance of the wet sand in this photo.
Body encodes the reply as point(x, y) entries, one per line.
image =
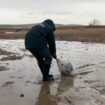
point(20, 77)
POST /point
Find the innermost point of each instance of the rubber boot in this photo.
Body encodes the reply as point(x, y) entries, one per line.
point(46, 76)
point(45, 72)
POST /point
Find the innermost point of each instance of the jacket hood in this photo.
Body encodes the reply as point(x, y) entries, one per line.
point(49, 24)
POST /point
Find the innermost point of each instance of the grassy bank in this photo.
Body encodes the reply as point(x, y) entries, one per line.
point(69, 33)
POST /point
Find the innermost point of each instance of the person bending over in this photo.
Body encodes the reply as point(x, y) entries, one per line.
point(40, 41)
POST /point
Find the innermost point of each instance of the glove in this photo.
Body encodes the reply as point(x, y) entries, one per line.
point(54, 56)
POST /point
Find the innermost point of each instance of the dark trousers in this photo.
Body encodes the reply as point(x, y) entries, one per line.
point(44, 59)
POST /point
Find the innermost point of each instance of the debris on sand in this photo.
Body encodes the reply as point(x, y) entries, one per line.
point(68, 100)
point(11, 57)
point(3, 52)
point(90, 81)
point(85, 66)
point(83, 73)
point(100, 88)
point(21, 95)
point(7, 83)
point(3, 68)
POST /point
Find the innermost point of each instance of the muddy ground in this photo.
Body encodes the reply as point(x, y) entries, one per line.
point(21, 80)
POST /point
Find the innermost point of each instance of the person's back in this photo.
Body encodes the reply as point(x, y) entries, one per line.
point(36, 38)
point(40, 35)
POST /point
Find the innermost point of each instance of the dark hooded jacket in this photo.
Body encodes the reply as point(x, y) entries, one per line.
point(41, 36)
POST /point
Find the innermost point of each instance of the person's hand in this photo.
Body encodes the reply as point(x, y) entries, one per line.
point(54, 56)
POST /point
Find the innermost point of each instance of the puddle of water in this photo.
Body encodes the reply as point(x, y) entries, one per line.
point(50, 91)
point(20, 84)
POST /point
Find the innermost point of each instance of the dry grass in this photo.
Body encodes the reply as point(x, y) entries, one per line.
point(12, 33)
point(70, 33)
point(84, 34)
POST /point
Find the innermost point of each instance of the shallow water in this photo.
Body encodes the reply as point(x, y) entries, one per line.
point(20, 77)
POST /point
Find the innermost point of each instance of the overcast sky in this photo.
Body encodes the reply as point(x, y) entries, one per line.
point(61, 11)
